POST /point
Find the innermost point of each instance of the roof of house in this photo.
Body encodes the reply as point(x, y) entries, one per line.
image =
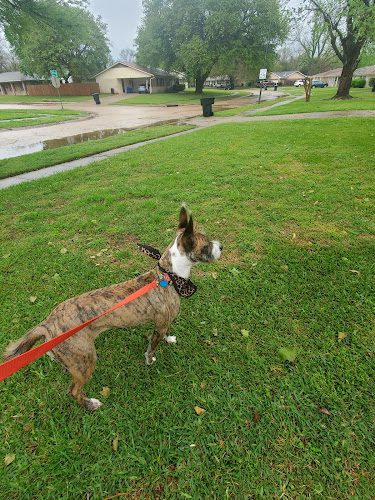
point(330, 72)
point(285, 74)
point(364, 71)
point(143, 69)
point(14, 76)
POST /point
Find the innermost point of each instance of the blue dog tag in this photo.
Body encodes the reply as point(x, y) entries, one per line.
point(163, 283)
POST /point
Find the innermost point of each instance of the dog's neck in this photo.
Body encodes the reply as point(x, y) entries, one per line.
point(173, 260)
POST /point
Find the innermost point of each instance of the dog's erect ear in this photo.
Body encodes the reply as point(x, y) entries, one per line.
point(184, 218)
point(186, 224)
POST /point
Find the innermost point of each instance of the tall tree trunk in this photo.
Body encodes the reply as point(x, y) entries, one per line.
point(350, 65)
point(199, 82)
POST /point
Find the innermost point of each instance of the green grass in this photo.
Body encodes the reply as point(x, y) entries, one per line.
point(14, 118)
point(295, 216)
point(25, 99)
point(320, 101)
point(35, 161)
point(180, 98)
point(249, 107)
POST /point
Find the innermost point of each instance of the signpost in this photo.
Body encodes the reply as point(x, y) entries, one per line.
point(55, 80)
point(262, 77)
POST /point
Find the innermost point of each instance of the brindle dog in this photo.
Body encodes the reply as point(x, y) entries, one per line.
point(160, 306)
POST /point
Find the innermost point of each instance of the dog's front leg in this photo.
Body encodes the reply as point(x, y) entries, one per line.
point(155, 340)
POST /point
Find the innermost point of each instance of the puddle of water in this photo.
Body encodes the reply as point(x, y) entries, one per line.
point(12, 151)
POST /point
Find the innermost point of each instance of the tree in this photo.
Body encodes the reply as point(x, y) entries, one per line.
point(66, 37)
point(8, 61)
point(350, 25)
point(194, 36)
point(127, 55)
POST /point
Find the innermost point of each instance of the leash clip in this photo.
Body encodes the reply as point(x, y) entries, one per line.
point(164, 280)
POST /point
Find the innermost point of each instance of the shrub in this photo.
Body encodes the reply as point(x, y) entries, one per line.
point(358, 83)
point(372, 82)
point(177, 87)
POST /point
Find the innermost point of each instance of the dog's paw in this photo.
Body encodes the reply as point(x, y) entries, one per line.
point(149, 360)
point(171, 339)
point(93, 404)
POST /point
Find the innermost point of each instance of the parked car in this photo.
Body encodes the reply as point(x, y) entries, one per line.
point(142, 89)
point(225, 86)
point(318, 83)
point(298, 83)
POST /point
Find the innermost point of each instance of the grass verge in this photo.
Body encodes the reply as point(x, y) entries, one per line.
point(35, 161)
point(14, 118)
point(320, 101)
point(28, 99)
point(179, 98)
point(249, 107)
point(295, 216)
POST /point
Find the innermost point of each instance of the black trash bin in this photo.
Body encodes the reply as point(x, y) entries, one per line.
point(96, 97)
point(207, 103)
point(373, 87)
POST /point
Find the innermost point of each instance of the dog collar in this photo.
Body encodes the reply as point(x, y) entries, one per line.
point(184, 288)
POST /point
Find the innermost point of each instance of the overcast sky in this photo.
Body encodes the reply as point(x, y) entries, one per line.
point(122, 18)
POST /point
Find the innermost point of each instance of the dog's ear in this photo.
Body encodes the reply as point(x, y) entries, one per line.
point(188, 236)
point(184, 218)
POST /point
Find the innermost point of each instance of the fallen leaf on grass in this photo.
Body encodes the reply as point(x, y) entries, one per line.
point(214, 275)
point(105, 392)
point(199, 410)
point(354, 271)
point(32, 299)
point(6, 256)
point(63, 250)
point(341, 335)
point(287, 354)
point(27, 427)
point(214, 332)
point(221, 441)
point(8, 459)
point(324, 411)
point(245, 333)
point(115, 443)
point(234, 271)
point(256, 417)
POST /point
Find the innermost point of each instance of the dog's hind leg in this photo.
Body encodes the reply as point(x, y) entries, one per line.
point(81, 365)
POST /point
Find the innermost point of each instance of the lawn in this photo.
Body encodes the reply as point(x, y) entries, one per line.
point(320, 101)
point(28, 99)
point(249, 107)
point(180, 98)
point(35, 161)
point(14, 118)
point(295, 216)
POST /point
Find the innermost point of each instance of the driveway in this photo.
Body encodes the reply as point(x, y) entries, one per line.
point(102, 117)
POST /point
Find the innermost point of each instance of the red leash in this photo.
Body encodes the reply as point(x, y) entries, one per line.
point(13, 365)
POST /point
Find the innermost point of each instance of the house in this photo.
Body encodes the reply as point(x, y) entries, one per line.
point(285, 77)
point(217, 81)
point(15, 83)
point(125, 78)
point(366, 72)
point(332, 76)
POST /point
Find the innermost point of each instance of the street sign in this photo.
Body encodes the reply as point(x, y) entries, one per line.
point(263, 74)
point(53, 73)
point(55, 82)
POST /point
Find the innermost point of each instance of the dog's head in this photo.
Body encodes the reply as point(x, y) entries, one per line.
point(193, 245)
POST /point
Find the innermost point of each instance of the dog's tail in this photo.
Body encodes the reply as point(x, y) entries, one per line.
point(24, 343)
